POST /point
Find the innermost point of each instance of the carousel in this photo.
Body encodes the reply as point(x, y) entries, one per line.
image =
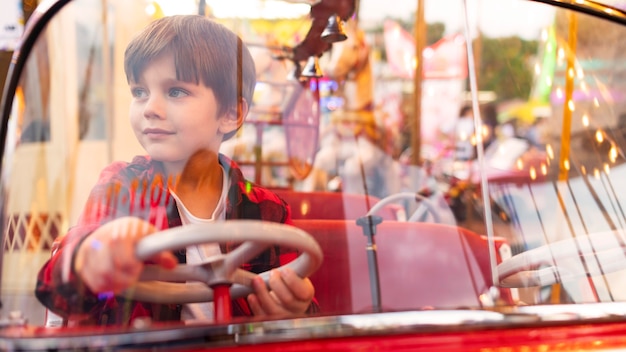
point(443, 178)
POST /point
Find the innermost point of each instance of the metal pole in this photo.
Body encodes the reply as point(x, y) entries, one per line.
point(473, 73)
point(368, 224)
point(416, 123)
point(201, 8)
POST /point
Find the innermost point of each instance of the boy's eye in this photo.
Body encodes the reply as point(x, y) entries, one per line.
point(138, 93)
point(177, 93)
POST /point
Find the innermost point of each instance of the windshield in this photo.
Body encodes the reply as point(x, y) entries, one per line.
point(143, 147)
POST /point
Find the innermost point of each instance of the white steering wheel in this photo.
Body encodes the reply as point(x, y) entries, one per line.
point(589, 255)
point(158, 285)
point(425, 205)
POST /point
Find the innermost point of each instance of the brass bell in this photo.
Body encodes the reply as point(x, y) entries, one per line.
point(312, 68)
point(334, 31)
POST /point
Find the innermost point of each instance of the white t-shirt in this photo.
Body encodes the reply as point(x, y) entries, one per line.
point(199, 254)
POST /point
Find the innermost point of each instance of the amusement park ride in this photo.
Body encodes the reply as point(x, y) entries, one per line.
point(540, 265)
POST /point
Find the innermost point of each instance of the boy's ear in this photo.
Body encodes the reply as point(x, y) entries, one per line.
point(233, 119)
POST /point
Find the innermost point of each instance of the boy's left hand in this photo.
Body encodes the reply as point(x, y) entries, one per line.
point(288, 294)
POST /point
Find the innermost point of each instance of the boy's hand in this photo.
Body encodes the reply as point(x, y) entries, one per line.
point(106, 260)
point(289, 294)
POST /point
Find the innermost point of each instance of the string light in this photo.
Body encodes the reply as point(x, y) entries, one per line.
point(550, 151)
point(485, 132)
point(570, 105)
point(559, 93)
point(613, 153)
point(579, 73)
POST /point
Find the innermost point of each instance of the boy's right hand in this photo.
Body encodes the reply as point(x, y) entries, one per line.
point(106, 260)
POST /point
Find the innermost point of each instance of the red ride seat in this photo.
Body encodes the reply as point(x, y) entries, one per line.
point(421, 265)
point(332, 205)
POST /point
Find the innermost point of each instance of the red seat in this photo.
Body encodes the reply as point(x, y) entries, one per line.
point(332, 205)
point(420, 265)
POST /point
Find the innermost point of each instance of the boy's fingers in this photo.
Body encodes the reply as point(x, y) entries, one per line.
point(122, 282)
point(255, 305)
point(107, 261)
point(283, 295)
point(291, 291)
point(301, 289)
point(166, 260)
point(268, 304)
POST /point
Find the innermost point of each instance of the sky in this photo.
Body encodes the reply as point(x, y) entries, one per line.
point(496, 17)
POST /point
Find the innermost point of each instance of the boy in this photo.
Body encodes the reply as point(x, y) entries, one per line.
point(191, 81)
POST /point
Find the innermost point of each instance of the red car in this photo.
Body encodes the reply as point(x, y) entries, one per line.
point(515, 246)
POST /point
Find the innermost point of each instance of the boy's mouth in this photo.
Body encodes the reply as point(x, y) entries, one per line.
point(156, 131)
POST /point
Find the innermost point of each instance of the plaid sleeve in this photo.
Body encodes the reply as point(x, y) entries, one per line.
point(58, 287)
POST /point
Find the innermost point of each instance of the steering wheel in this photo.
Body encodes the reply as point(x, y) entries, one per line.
point(158, 285)
point(589, 255)
point(425, 205)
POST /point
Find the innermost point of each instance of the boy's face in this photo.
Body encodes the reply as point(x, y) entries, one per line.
point(173, 119)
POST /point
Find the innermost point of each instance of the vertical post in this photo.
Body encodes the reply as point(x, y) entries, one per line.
point(416, 122)
point(222, 305)
point(568, 103)
point(477, 47)
point(258, 152)
point(566, 129)
point(484, 187)
point(368, 224)
point(202, 8)
point(107, 67)
point(5, 63)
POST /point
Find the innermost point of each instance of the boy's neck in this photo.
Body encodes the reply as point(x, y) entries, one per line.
point(200, 183)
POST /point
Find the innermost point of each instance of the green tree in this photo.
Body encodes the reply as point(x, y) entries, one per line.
point(506, 66)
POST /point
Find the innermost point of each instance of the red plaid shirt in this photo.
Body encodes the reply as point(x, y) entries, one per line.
point(139, 189)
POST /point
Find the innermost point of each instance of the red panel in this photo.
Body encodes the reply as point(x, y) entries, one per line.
point(331, 205)
point(594, 337)
point(421, 265)
point(555, 336)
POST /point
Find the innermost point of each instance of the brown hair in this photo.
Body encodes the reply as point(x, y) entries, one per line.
point(204, 52)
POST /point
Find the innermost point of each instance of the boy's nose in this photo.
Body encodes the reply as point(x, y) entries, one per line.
point(153, 107)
